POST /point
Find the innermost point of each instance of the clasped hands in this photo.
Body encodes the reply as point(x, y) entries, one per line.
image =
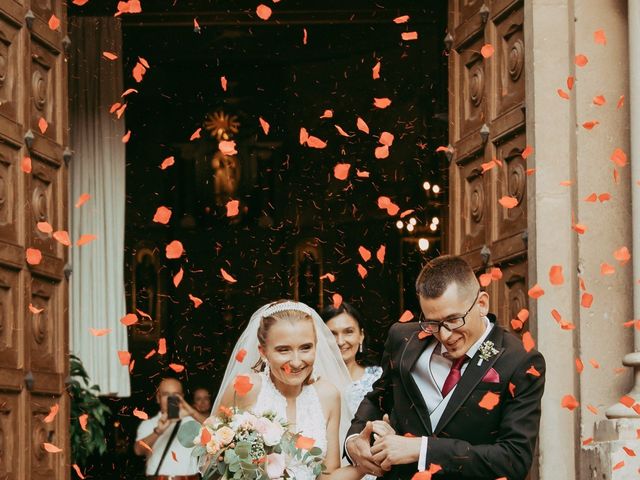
point(387, 450)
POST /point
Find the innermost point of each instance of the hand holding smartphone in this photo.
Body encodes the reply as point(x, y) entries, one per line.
point(173, 406)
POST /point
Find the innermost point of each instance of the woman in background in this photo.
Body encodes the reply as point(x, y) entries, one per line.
point(347, 326)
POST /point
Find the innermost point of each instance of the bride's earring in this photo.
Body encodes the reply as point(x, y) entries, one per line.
point(360, 349)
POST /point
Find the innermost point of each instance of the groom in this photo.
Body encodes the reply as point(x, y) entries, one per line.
point(462, 394)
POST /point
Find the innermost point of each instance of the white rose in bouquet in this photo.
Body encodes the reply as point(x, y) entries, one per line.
point(271, 431)
point(225, 435)
point(275, 465)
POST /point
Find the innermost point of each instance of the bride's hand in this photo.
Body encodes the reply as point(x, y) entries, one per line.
point(382, 427)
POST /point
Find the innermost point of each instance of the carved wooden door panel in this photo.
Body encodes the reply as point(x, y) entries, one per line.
point(487, 137)
point(33, 188)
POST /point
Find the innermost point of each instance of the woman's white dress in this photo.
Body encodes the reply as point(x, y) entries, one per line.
point(310, 419)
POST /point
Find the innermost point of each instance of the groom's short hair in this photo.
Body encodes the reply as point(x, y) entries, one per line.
point(441, 272)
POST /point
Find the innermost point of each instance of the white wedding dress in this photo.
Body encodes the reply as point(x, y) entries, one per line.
point(310, 419)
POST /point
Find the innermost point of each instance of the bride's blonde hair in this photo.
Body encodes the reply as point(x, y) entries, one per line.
point(268, 321)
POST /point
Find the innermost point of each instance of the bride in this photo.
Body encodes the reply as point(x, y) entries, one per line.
point(297, 372)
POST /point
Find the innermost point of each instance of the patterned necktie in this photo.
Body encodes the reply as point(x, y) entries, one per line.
point(454, 375)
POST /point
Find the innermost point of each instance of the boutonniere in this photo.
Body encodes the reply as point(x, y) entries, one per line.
point(487, 350)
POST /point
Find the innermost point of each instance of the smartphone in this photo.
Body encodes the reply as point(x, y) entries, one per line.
point(173, 406)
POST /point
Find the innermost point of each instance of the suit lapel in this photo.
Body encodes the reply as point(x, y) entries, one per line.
point(470, 379)
point(410, 355)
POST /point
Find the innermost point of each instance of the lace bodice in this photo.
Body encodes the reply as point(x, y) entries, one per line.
point(310, 420)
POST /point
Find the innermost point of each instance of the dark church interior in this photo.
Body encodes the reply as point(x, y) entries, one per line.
point(299, 229)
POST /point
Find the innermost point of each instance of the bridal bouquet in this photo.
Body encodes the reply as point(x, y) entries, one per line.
point(242, 446)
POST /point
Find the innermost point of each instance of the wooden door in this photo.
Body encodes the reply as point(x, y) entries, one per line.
point(33, 346)
point(487, 138)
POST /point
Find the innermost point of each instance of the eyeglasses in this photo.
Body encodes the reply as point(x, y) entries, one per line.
point(432, 326)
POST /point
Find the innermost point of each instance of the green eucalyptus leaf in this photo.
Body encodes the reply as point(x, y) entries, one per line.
point(187, 432)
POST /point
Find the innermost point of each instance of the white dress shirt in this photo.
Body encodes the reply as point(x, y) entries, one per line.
point(178, 460)
point(430, 372)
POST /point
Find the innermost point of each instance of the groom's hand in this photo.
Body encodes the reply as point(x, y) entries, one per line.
point(396, 450)
point(359, 450)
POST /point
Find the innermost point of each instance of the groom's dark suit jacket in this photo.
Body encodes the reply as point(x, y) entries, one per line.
point(469, 441)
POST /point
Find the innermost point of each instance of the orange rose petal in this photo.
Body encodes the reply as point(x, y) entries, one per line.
point(265, 125)
point(536, 291)
point(176, 367)
point(195, 135)
point(341, 171)
point(581, 60)
point(35, 310)
point(196, 301)
point(408, 36)
point(362, 271)
point(240, 355)
point(167, 162)
point(83, 420)
point(49, 447)
point(44, 227)
point(555, 275)
point(569, 402)
point(34, 256)
point(126, 137)
point(99, 332)
point(599, 37)
point(85, 238)
point(223, 83)
point(485, 279)
point(162, 215)
point(129, 319)
point(315, 142)
point(337, 300)
point(227, 147)
point(62, 236)
point(563, 94)
point(375, 71)
point(162, 346)
point(233, 208)
point(407, 316)
point(380, 254)
point(140, 414)
point(263, 12)
point(226, 276)
point(82, 199)
point(53, 411)
point(622, 255)
point(177, 278)
point(329, 276)
point(124, 357)
point(579, 365)
point(619, 157)
point(401, 19)
point(76, 467)
point(606, 269)
point(627, 401)
point(487, 50)
point(381, 102)
point(489, 401)
point(508, 202)
point(25, 165)
point(599, 100)
point(362, 125)
point(42, 125)
point(527, 341)
point(242, 385)
point(327, 114)
point(587, 300)
point(305, 443)
point(174, 250)
point(364, 253)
